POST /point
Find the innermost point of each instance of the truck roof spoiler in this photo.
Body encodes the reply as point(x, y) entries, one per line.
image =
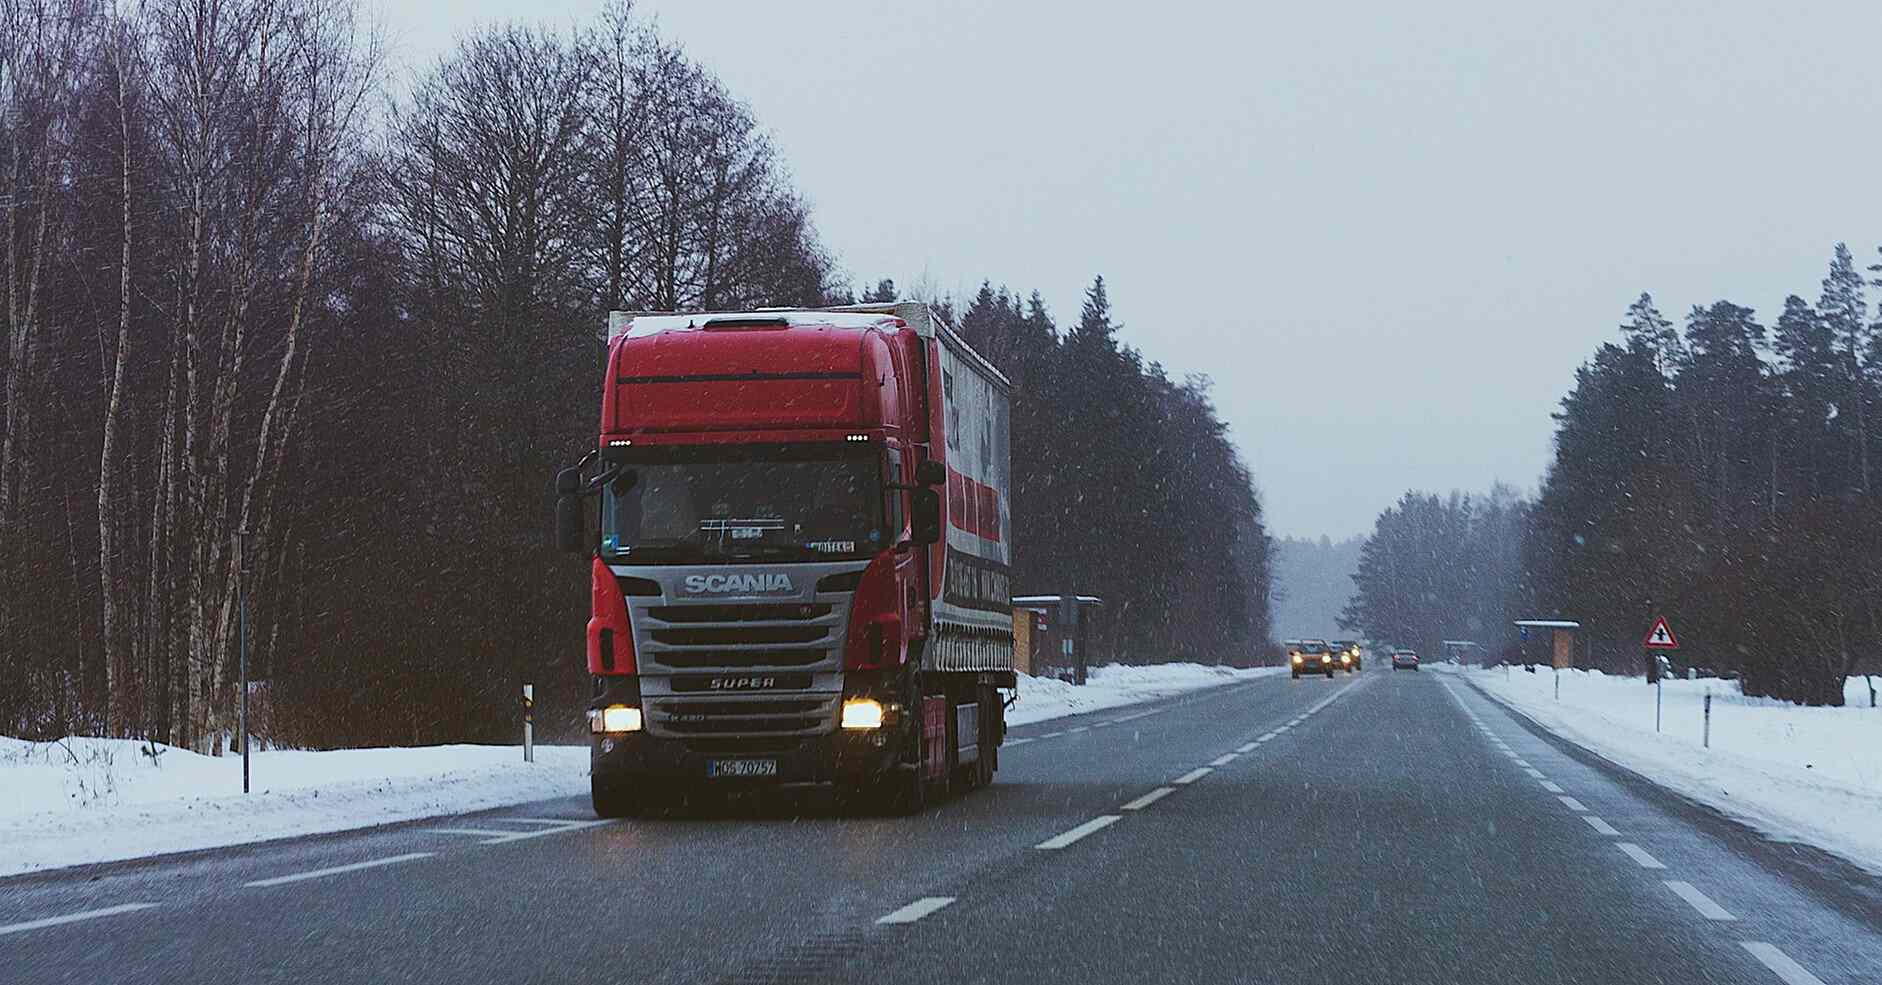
point(918, 315)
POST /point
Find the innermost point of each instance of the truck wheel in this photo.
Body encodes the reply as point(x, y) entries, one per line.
point(1329, 673)
point(612, 798)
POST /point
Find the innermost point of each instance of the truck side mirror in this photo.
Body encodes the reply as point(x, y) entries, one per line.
point(924, 519)
point(930, 472)
point(568, 482)
point(568, 522)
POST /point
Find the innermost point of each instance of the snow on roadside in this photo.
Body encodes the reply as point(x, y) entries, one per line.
point(1812, 775)
point(1041, 698)
point(80, 801)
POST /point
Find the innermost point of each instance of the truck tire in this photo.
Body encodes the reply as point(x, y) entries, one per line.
point(613, 798)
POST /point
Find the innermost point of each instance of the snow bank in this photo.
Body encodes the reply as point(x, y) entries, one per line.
point(1041, 698)
point(80, 801)
point(1812, 775)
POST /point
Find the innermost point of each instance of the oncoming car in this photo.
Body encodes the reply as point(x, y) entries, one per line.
point(1311, 657)
point(1403, 659)
point(1346, 653)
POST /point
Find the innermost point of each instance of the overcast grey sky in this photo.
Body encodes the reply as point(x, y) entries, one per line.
point(1390, 231)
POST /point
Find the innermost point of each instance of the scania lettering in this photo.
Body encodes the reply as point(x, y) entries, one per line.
point(799, 550)
point(738, 583)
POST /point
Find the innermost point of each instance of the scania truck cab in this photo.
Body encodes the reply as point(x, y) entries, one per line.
point(799, 554)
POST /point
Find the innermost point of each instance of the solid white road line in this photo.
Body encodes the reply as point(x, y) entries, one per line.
point(1224, 759)
point(1639, 855)
point(1192, 776)
point(14, 928)
point(1015, 742)
point(1573, 804)
point(336, 870)
point(1147, 799)
point(1132, 718)
point(1268, 738)
point(1699, 901)
point(1081, 728)
point(1780, 963)
point(1049, 735)
point(1248, 746)
point(1098, 823)
point(916, 910)
point(1552, 787)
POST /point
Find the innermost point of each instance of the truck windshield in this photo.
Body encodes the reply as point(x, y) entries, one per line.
point(726, 503)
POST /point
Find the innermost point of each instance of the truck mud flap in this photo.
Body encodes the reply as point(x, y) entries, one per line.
point(967, 733)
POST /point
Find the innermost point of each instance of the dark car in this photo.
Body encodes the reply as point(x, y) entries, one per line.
point(1311, 657)
point(1345, 653)
point(1403, 659)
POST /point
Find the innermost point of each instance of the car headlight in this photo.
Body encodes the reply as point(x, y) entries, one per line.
point(615, 718)
point(862, 713)
point(1326, 659)
point(1345, 658)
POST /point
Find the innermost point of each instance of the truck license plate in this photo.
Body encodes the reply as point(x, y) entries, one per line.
point(741, 767)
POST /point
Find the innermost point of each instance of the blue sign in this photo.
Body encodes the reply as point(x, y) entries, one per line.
point(1523, 632)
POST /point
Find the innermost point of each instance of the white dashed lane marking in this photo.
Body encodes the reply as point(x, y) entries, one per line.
point(1248, 746)
point(1699, 900)
point(1532, 771)
point(1147, 799)
point(1098, 823)
point(1639, 854)
point(1790, 972)
point(1571, 803)
point(916, 910)
point(336, 870)
point(1552, 786)
point(1599, 825)
point(1192, 776)
point(109, 911)
point(1224, 759)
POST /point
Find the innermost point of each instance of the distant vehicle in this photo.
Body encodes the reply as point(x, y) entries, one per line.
point(1347, 652)
point(1311, 657)
point(1403, 659)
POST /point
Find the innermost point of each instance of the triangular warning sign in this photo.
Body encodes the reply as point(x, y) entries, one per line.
point(1660, 637)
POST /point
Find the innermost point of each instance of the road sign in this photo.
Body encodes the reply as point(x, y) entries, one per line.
point(1660, 637)
point(1523, 633)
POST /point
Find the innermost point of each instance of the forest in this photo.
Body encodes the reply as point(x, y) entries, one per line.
point(292, 353)
point(1719, 471)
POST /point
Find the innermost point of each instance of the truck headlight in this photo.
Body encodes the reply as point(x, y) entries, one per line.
point(1326, 659)
point(1345, 658)
point(862, 713)
point(1297, 658)
point(615, 718)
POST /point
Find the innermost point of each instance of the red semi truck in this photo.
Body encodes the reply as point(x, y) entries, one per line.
point(802, 562)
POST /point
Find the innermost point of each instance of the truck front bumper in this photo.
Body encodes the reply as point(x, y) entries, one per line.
point(839, 757)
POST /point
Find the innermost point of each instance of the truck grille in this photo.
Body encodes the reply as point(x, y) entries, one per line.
point(690, 717)
point(731, 637)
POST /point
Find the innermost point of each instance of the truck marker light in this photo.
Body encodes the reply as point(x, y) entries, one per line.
point(862, 713)
point(615, 718)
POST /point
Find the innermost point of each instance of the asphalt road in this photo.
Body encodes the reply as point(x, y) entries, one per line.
point(1373, 829)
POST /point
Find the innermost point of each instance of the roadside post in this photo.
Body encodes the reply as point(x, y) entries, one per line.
point(241, 632)
point(529, 723)
point(1707, 742)
point(1656, 705)
point(1558, 683)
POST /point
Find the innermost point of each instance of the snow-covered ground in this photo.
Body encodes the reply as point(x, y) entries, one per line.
point(1041, 698)
point(80, 801)
point(1812, 775)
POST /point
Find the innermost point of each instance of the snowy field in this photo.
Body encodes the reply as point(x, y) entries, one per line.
point(1812, 775)
point(80, 801)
